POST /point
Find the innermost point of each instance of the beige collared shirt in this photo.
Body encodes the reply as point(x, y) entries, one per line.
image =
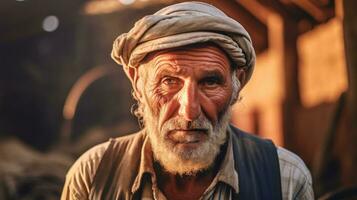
point(295, 177)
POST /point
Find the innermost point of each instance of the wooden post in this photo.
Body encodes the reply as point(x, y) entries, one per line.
point(292, 92)
point(287, 47)
point(350, 39)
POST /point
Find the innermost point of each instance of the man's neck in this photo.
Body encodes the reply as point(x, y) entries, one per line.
point(186, 186)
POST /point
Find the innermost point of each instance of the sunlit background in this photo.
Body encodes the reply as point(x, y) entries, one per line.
point(60, 93)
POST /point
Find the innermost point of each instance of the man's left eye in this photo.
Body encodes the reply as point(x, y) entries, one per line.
point(211, 81)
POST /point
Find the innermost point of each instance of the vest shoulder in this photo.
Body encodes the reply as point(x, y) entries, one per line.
point(81, 175)
point(119, 143)
point(88, 162)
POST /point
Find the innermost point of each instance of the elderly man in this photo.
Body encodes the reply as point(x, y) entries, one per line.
point(187, 64)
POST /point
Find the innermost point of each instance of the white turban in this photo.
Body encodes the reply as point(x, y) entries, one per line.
point(184, 24)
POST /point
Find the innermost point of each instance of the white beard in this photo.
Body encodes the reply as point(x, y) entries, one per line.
point(186, 162)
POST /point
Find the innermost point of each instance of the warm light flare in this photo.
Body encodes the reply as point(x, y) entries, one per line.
point(126, 2)
point(101, 7)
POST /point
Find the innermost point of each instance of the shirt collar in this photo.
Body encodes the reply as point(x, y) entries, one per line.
point(146, 165)
point(226, 174)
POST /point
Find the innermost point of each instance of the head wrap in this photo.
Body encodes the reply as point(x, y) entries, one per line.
point(184, 24)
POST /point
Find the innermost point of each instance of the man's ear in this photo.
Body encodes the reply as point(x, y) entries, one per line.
point(241, 75)
point(133, 75)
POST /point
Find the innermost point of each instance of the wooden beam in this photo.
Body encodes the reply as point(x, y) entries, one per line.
point(322, 2)
point(313, 10)
point(276, 6)
point(258, 10)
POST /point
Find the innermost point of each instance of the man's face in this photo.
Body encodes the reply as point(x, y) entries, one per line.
point(186, 94)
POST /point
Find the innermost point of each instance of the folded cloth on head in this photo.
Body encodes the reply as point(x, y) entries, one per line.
point(184, 24)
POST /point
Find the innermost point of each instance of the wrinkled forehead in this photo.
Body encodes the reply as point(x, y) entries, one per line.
point(206, 52)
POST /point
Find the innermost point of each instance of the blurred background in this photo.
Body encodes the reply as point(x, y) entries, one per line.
point(60, 93)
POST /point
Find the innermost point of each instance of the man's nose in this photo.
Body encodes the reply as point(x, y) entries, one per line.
point(190, 107)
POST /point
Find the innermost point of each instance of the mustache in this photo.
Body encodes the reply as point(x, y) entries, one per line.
point(178, 123)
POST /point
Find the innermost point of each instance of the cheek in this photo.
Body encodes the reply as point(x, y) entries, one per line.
point(154, 102)
point(155, 96)
point(168, 111)
point(163, 106)
point(213, 103)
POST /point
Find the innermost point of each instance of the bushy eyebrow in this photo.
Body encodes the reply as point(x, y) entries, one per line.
point(214, 74)
point(165, 72)
point(204, 75)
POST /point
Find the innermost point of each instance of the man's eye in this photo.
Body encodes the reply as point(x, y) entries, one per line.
point(211, 81)
point(169, 81)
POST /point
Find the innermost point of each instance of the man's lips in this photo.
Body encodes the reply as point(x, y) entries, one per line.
point(187, 136)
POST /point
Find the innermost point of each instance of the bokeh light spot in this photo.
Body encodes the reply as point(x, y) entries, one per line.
point(50, 23)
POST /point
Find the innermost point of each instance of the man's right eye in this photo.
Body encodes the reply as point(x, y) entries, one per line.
point(170, 81)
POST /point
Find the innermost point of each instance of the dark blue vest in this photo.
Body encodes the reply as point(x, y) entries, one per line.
point(257, 164)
